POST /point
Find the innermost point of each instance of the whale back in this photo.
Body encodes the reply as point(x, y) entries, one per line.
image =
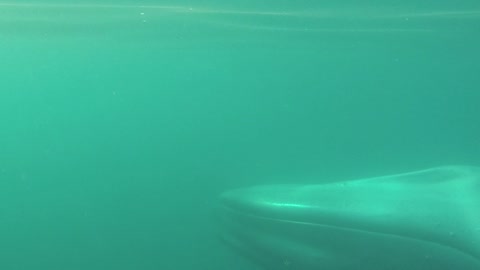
point(428, 218)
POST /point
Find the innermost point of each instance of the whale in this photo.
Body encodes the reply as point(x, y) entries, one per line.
point(426, 219)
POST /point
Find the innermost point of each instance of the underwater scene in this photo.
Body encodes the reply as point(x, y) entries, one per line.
point(141, 135)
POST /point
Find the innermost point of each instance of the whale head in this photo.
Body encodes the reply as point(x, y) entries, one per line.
point(427, 219)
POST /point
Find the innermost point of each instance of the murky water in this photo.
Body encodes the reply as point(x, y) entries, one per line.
point(120, 123)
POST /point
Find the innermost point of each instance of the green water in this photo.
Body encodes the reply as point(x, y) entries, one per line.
point(121, 122)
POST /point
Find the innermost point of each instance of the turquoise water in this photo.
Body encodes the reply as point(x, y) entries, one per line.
point(120, 123)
